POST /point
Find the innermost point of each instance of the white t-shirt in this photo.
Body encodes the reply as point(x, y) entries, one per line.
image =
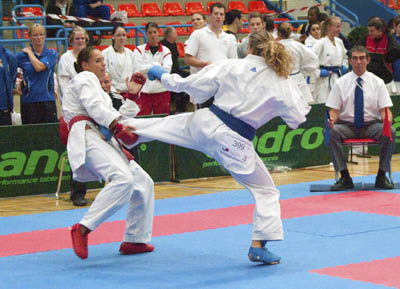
point(376, 96)
point(206, 46)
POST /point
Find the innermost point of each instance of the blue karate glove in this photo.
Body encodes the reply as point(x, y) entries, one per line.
point(343, 70)
point(323, 73)
point(156, 72)
point(105, 132)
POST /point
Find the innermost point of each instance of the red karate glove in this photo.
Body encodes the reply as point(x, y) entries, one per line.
point(135, 85)
point(124, 134)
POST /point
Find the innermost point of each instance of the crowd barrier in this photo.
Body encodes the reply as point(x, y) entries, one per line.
point(31, 155)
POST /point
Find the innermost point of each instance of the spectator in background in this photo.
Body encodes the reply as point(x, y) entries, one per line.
point(120, 61)
point(58, 7)
point(233, 22)
point(154, 98)
point(256, 24)
point(198, 21)
point(314, 35)
point(270, 26)
point(396, 28)
point(332, 58)
point(304, 29)
point(94, 8)
point(77, 39)
point(379, 43)
point(8, 73)
point(181, 99)
point(210, 44)
point(347, 44)
point(38, 65)
point(304, 60)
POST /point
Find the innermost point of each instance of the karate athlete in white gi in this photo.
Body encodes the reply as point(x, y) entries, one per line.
point(332, 57)
point(305, 62)
point(92, 157)
point(248, 93)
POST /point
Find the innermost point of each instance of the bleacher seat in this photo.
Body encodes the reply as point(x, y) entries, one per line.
point(238, 5)
point(173, 9)
point(194, 7)
point(131, 33)
point(112, 10)
point(179, 30)
point(243, 29)
point(189, 28)
point(181, 49)
point(151, 9)
point(36, 11)
point(130, 9)
point(209, 5)
point(259, 6)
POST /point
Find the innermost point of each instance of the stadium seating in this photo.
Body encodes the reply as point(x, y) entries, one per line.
point(130, 9)
point(189, 28)
point(259, 6)
point(36, 11)
point(194, 7)
point(151, 9)
point(179, 30)
point(131, 33)
point(238, 5)
point(181, 49)
point(173, 9)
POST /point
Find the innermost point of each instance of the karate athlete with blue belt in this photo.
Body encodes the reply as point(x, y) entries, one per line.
point(248, 93)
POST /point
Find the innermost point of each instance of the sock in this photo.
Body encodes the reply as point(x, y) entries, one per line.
point(345, 174)
point(381, 173)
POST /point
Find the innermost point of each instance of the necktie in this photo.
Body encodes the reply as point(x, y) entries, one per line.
point(359, 105)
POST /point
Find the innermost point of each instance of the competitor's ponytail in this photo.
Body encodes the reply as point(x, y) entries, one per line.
point(275, 55)
point(83, 56)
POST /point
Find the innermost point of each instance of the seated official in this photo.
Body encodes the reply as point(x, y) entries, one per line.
point(357, 105)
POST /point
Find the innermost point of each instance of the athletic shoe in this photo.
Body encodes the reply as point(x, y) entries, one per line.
point(343, 184)
point(79, 242)
point(383, 183)
point(263, 255)
point(128, 248)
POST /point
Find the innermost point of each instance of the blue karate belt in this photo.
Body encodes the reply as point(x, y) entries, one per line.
point(235, 124)
point(334, 69)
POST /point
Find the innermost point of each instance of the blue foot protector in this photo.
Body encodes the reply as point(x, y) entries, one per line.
point(263, 255)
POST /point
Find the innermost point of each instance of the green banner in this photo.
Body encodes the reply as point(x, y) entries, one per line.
point(31, 155)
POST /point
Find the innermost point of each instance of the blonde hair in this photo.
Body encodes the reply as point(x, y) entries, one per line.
point(274, 53)
point(35, 26)
point(71, 36)
point(328, 21)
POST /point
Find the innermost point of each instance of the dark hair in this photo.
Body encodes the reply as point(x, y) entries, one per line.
point(201, 14)
point(83, 56)
point(314, 8)
point(150, 25)
point(377, 22)
point(231, 16)
point(322, 16)
point(359, 48)
point(116, 26)
point(269, 23)
point(255, 14)
point(218, 5)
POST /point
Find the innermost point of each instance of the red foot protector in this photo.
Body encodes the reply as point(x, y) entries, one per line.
point(127, 248)
point(384, 272)
point(79, 242)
